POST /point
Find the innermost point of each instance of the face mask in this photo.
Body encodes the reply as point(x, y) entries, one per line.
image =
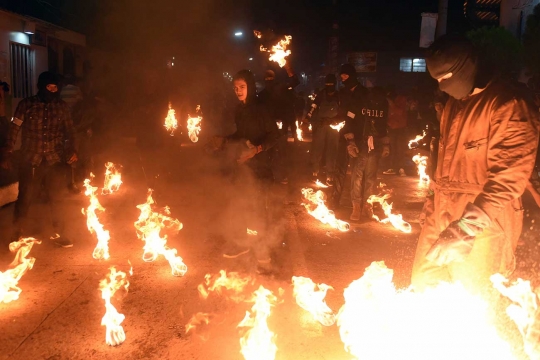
point(350, 83)
point(461, 84)
point(330, 88)
point(46, 95)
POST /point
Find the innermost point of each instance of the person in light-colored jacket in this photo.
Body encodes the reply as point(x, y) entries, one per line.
point(489, 139)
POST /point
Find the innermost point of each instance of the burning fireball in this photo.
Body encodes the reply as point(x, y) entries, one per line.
point(338, 127)
point(113, 179)
point(317, 208)
point(112, 319)
point(279, 51)
point(395, 219)
point(232, 282)
point(101, 252)
point(416, 140)
point(171, 124)
point(299, 132)
point(421, 163)
point(194, 125)
point(149, 226)
point(310, 297)
point(319, 184)
point(9, 279)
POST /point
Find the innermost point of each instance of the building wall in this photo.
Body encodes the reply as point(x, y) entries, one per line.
point(514, 15)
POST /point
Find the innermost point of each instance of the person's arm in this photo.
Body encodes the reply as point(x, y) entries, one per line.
point(271, 130)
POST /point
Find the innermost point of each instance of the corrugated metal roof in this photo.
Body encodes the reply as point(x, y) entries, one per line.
point(482, 12)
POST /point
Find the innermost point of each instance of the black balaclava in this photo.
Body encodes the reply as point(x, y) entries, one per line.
point(46, 78)
point(248, 77)
point(456, 55)
point(352, 81)
point(330, 83)
point(269, 76)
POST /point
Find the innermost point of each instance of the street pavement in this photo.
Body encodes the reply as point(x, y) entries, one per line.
point(58, 314)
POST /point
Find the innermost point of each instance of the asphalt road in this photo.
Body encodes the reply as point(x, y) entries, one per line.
point(58, 314)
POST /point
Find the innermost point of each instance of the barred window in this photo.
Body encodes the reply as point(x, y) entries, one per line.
point(22, 68)
point(412, 65)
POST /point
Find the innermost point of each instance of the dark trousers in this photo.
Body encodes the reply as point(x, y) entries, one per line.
point(364, 175)
point(31, 180)
point(279, 158)
point(340, 174)
point(399, 140)
point(325, 145)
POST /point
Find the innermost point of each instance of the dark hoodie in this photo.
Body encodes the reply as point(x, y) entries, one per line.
point(253, 123)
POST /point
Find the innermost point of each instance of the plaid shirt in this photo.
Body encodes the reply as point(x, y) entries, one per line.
point(45, 126)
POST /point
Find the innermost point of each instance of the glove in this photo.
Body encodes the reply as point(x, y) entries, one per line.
point(352, 149)
point(385, 151)
point(248, 153)
point(453, 245)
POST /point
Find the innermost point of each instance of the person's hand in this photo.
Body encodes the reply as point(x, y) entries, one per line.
point(453, 245)
point(352, 149)
point(385, 151)
point(72, 159)
point(248, 153)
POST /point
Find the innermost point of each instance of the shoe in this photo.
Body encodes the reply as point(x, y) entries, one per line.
point(61, 241)
point(234, 251)
point(389, 172)
point(402, 172)
point(357, 211)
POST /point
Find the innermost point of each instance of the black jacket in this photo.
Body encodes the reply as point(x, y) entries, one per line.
point(279, 99)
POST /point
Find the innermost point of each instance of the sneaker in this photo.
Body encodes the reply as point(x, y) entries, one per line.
point(402, 172)
point(389, 172)
point(61, 241)
point(233, 251)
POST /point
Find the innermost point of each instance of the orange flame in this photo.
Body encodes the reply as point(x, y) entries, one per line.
point(321, 212)
point(149, 226)
point(258, 342)
point(417, 139)
point(194, 125)
point(444, 323)
point(338, 127)
point(232, 282)
point(257, 34)
point(395, 219)
point(279, 51)
point(196, 320)
point(279, 124)
point(310, 128)
point(101, 251)
point(319, 184)
point(299, 132)
point(114, 333)
point(9, 279)
point(113, 179)
point(251, 232)
point(421, 163)
point(171, 124)
point(310, 297)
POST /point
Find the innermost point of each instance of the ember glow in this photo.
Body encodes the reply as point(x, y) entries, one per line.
point(114, 333)
point(416, 139)
point(258, 342)
point(299, 132)
point(310, 297)
point(197, 320)
point(338, 127)
point(9, 279)
point(257, 34)
point(232, 282)
point(395, 219)
point(316, 207)
point(421, 163)
point(319, 184)
point(194, 125)
point(279, 51)
point(101, 252)
point(113, 179)
point(377, 322)
point(149, 226)
point(251, 232)
point(171, 124)
point(279, 124)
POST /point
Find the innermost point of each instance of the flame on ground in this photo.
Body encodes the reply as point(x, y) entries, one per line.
point(194, 125)
point(149, 226)
point(421, 163)
point(310, 297)
point(395, 219)
point(524, 311)
point(232, 282)
point(417, 139)
point(113, 179)
point(299, 132)
point(338, 127)
point(258, 342)
point(319, 184)
point(9, 279)
point(196, 320)
point(279, 51)
point(112, 319)
point(171, 124)
point(101, 251)
point(317, 208)
point(377, 322)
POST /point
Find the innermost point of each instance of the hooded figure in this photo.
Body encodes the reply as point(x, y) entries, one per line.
point(48, 84)
point(488, 144)
point(352, 79)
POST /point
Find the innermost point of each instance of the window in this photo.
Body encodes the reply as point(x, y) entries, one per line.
point(412, 65)
point(22, 68)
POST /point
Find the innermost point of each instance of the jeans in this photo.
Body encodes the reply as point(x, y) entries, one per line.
point(399, 139)
point(325, 144)
point(31, 180)
point(364, 175)
point(340, 174)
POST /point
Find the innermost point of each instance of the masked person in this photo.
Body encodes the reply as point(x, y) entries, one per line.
point(488, 143)
point(366, 136)
point(256, 133)
point(45, 122)
point(323, 114)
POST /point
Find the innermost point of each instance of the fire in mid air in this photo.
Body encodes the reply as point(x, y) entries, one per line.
point(171, 124)
point(9, 279)
point(414, 142)
point(149, 226)
point(279, 51)
point(338, 126)
point(421, 163)
point(299, 132)
point(194, 125)
point(316, 207)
